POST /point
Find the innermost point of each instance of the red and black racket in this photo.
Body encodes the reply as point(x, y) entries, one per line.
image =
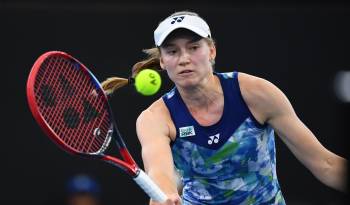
point(71, 107)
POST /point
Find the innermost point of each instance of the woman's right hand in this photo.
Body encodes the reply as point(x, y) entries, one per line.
point(173, 199)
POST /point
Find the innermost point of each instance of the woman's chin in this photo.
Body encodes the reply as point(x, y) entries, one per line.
point(187, 84)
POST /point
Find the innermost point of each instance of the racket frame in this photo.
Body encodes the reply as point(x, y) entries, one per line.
point(129, 165)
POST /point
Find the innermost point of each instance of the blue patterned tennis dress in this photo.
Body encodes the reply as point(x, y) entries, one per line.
point(232, 162)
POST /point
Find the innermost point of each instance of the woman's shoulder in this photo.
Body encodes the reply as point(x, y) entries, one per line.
point(157, 114)
point(156, 111)
point(158, 106)
point(249, 79)
point(259, 94)
point(254, 86)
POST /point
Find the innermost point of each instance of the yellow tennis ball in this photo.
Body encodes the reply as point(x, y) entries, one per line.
point(148, 82)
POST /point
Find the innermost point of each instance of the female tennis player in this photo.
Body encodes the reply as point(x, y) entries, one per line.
point(217, 129)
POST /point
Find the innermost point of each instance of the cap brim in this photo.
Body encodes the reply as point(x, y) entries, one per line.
point(173, 28)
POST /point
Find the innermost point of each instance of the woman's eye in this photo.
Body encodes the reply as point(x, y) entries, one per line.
point(171, 52)
point(194, 47)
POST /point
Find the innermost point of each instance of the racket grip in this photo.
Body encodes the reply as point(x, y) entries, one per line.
point(146, 183)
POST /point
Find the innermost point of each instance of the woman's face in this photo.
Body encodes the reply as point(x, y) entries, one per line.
point(187, 60)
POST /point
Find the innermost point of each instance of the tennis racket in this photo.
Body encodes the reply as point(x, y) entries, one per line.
point(70, 106)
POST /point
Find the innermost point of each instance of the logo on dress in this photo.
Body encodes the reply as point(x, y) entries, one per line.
point(214, 139)
point(187, 131)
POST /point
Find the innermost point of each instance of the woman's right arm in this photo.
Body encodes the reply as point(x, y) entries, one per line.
point(154, 135)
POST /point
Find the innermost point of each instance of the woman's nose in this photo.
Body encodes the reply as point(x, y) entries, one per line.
point(184, 58)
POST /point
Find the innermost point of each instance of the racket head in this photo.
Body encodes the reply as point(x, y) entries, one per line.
point(69, 104)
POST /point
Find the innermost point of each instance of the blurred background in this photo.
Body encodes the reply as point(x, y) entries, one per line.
point(303, 48)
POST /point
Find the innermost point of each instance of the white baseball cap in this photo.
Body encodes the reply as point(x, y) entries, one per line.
point(190, 22)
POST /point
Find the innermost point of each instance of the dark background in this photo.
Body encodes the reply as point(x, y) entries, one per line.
point(298, 46)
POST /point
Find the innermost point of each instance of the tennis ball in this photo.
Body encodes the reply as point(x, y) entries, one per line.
point(148, 82)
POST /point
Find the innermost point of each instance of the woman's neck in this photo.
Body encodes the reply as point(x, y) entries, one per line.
point(204, 96)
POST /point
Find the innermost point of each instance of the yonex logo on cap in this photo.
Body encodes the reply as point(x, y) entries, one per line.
point(177, 19)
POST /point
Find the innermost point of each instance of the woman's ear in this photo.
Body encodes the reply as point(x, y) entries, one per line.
point(161, 63)
point(212, 54)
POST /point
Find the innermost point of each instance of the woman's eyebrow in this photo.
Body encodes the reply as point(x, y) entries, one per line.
point(194, 40)
point(167, 45)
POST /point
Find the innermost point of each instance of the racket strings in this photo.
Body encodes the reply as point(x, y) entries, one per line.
point(50, 94)
point(57, 80)
point(94, 143)
point(90, 113)
point(67, 104)
point(50, 79)
point(81, 142)
point(74, 141)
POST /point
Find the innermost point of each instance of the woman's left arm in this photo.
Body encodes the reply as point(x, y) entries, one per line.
point(277, 111)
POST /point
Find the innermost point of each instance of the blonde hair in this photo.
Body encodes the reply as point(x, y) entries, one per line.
point(152, 61)
point(111, 84)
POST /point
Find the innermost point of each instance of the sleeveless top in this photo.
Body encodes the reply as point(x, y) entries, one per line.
point(230, 162)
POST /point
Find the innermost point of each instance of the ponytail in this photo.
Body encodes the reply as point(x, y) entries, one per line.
point(152, 61)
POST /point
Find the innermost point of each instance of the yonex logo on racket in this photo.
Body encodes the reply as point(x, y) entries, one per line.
point(177, 19)
point(97, 132)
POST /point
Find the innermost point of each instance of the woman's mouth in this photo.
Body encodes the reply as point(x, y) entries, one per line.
point(185, 72)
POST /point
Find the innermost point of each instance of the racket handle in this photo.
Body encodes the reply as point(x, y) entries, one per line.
point(146, 183)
